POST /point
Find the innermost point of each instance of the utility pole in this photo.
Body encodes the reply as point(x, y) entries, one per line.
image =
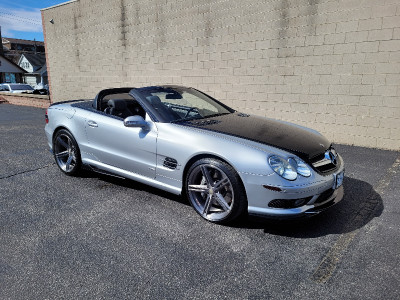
point(1, 46)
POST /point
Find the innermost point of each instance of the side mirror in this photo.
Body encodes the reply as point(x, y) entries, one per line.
point(136, 121)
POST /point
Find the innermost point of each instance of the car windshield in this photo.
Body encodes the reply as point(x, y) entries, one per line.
point(175, 104)
point(21, 87)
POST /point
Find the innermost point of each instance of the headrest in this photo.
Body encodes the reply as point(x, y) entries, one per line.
point(118, 104)
point(154, 100)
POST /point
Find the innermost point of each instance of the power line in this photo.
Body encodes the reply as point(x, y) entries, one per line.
point(15, 17)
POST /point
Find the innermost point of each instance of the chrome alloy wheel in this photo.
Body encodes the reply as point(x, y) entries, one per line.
point(65, 153)
point(210, 192)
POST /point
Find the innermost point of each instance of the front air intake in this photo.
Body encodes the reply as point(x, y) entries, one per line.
point(289, 203)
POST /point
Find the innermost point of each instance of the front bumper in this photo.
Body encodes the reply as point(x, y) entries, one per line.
point(302, 211)
point(317, 194)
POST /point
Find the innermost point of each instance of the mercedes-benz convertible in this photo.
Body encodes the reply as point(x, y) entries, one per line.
point(178, 139)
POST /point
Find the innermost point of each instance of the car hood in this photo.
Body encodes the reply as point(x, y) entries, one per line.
point(302, 141)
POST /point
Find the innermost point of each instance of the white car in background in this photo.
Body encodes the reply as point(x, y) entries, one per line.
point(16, 88)
point(42, 89)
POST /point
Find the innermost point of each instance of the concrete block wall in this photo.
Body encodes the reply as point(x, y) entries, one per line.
point(332, 65)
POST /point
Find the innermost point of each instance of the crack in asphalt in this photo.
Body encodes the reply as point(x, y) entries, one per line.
point(328, 264)
point(27, 171)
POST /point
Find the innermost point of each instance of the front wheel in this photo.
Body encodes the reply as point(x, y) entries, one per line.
point(215, 191)
point(66, 152)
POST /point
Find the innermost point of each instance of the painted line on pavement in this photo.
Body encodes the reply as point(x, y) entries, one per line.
point(328, 264)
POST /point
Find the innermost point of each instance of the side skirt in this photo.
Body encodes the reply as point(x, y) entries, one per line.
point(113, 171)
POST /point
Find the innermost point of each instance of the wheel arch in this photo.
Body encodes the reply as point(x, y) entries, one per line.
point(62, 127)
point(72, 150)
point(57, 129)
point(197, 157)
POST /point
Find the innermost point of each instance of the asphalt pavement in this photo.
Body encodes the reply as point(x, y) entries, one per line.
point(99, 237)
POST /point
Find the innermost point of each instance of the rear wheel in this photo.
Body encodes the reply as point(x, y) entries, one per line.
point(215, 191)
point(66, 152)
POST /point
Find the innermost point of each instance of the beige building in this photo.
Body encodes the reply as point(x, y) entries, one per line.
point(332, 65)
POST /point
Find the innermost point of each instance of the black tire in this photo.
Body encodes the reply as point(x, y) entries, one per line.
point(66, 152)
point(215, 191)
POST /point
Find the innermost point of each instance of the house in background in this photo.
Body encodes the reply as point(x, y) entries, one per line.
point(22, 61)
point(35, 66)
point(9, 71)
point(13, 48)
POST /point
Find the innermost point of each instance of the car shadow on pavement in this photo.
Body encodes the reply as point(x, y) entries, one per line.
point(361, 203)
point(134, 185)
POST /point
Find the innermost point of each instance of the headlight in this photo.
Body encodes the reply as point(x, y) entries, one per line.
point(289, 168)
point(282, 167)
point(300, 166)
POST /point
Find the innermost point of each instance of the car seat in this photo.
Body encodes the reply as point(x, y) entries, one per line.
point(117, 107)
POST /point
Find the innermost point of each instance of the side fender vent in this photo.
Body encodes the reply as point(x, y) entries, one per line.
point(170, 163)
point(243, 115)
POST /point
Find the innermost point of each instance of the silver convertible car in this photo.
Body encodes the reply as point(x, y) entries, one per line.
point(183, 141)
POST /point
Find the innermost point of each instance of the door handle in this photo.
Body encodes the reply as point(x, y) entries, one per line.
point(92, 123)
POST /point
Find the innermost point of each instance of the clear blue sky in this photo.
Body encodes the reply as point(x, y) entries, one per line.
point(22, 19)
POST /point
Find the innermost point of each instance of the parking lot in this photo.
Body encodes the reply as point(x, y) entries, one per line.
point(96, 236)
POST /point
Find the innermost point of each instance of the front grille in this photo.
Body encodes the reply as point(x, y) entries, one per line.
point(327, 162)
point(326, 168)
point(289, 203)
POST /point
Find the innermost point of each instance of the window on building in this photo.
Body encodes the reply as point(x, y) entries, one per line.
point(9, 78)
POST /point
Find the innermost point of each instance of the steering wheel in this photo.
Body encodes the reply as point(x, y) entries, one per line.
point(190, 110)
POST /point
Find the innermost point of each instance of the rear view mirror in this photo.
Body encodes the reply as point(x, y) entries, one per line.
point(174, 96)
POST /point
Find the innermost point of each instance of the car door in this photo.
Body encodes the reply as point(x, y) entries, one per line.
point(128, 148)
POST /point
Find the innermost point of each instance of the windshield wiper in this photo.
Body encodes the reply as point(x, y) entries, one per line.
point(187, 119)
point(218, 114)
point(200, 117)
